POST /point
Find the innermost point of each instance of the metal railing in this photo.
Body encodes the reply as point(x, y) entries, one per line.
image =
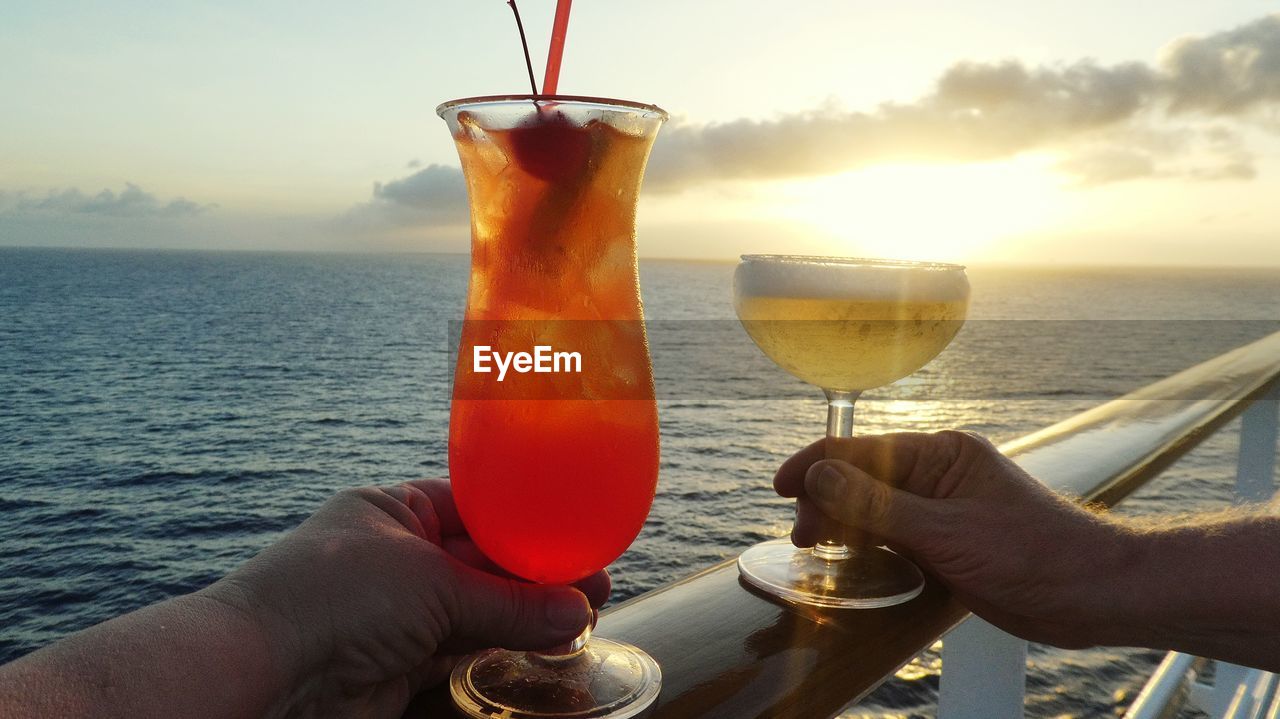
point(728, 652)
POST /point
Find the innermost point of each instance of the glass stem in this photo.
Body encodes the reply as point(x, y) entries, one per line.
point(837, 541)
point(580, 642)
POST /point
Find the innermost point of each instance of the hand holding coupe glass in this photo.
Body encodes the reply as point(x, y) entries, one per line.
point(844, 325)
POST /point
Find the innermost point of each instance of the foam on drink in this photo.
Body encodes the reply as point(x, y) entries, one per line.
point(834, 278)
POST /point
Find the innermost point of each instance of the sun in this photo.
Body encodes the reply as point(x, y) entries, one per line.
point(925, 212)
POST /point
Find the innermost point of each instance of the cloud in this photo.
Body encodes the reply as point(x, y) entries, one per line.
point(1108, 164)
point(989, 111)
point(977, 112)
point(1227, 73)
point(434, 195)
point(132, 201)
point(1107, 123)
point(435, 188)
point(1137, 150)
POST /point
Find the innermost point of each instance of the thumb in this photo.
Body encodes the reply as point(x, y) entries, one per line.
point(491, 611)
point(853, 497)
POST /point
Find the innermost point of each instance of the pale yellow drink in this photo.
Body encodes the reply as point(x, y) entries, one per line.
point(849, 343)
point(845, 325)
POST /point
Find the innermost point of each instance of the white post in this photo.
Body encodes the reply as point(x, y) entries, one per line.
point(1167, 687)
point(1251, 696)
point(1259, 429)
point(984, 673)
point(1267, 694)
point(1274, 712)
point(1228, 681)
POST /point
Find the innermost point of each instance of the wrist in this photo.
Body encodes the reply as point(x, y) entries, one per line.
point(267, 638)
point(1102, 593)
point(1154, 603)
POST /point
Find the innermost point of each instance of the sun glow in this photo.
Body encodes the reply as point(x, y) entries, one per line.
point(926, 212)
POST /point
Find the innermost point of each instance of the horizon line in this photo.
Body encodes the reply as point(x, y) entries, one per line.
point(979, 265)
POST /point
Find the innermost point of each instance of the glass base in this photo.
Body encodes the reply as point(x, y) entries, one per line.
point(871, 577)
point(605, 679)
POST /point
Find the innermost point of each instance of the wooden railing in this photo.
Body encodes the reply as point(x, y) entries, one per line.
point(726, 651)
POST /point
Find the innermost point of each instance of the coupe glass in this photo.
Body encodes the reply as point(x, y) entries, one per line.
point(844, 325)
point(554, 472)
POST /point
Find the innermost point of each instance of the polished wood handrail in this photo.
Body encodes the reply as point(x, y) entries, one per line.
point(729, 652)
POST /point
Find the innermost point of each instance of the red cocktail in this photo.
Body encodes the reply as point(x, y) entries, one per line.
point(553, 490)
point(553, 471)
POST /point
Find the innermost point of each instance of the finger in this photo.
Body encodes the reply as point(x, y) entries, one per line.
point(440, 493)
point(493, 611)
point(807, 529)
point(431, 672)
point(813, 525)
point(596, 588)
point(789, 479)
point(853, 497)
point(913, 461)
point(398, 503)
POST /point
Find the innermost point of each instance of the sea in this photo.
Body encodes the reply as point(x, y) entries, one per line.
point(166, 414)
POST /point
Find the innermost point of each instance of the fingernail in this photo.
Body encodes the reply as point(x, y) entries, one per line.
point(566, 609)
point(829, 485)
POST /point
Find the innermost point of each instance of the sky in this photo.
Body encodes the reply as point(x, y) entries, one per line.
point(984, 131)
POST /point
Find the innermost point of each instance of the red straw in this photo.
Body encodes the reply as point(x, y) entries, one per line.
point(558, 30)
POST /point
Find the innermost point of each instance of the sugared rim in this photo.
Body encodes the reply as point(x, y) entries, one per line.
point(852, 262)
point(576, 99)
